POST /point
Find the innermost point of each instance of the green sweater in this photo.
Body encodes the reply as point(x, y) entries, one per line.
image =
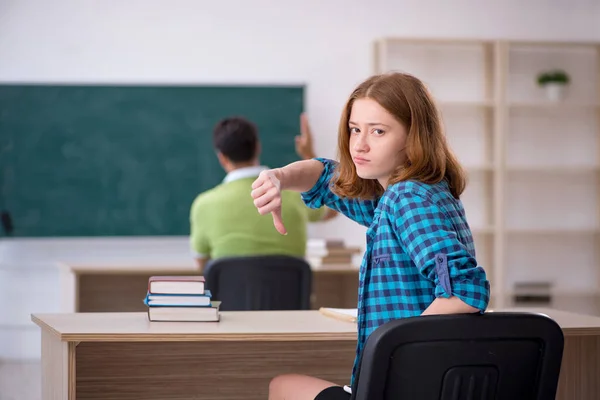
point(224, 222)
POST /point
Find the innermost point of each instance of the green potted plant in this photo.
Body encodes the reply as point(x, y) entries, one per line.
point(554, 82)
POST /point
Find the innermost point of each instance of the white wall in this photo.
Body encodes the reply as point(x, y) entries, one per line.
point(325, 44)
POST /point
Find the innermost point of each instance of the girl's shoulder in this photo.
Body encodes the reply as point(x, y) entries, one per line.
point(413, 195)
point(428, 191)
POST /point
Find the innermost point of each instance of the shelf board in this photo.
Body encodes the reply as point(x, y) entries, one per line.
point(581, 294)
point(552, 105)
point(555, 169)
point(435, 41)
point(545, 45)
point(479, 168)
point(482, 230)
point(553, 231)
point(447, 104)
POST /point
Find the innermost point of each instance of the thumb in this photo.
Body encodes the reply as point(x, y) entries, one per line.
point(278, 221)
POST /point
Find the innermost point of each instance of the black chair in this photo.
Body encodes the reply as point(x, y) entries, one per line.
point(497, 355)
point(273, 282)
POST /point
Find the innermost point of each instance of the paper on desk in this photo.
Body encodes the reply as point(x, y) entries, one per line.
point(344, 314)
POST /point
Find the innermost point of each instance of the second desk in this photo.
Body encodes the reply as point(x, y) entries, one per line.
point(121, 286)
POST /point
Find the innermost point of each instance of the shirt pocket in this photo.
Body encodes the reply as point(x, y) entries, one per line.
point(374, 274)
point(380, 258)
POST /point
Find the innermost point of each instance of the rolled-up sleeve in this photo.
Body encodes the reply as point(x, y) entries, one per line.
point(360, 211)
point(432, 243)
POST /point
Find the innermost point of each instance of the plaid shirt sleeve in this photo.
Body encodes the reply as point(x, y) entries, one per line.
point(360, 211)
point(431, 241)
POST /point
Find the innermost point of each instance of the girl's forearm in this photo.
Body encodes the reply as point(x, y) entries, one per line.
point(300, 176)
point(452, 305)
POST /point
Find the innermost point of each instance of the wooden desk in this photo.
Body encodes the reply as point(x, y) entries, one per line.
point(123, 356)
point(121, 287)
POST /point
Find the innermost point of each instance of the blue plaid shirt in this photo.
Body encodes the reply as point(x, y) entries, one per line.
point(419, 247)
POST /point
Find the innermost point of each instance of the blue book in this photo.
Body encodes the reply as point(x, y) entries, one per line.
point(178, 300)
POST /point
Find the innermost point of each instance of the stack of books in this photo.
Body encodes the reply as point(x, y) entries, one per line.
point(180, 298)
point(330, 253)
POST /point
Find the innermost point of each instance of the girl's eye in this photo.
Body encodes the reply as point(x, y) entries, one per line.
point(378, 131)
point(354, 130)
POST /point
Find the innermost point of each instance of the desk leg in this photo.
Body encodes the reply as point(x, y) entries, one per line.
point(58, 368)
point(580, 370)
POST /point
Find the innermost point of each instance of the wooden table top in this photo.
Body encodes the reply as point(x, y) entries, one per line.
point(245, 326)
point(234, 325)
point(572, 324)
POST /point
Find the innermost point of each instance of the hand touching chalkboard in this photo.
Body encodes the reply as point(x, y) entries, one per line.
point(304, 142)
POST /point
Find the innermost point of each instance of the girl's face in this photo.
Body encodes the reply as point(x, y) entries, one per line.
point(377, 141)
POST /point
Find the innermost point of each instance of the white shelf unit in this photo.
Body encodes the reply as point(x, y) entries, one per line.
point(533, 197)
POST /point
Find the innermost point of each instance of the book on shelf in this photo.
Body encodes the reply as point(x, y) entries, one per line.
point(324, 244)
point(184, 284)
point(533, 292)
point(185, 314)
point(331, 255)
point(320, 261)
point(337, 252)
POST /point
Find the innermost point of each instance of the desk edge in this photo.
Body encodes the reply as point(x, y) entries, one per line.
point(45, 327)
point(201, 337)
point(245, 337)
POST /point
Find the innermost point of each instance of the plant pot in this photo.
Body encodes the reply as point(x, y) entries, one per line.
point(555, 91)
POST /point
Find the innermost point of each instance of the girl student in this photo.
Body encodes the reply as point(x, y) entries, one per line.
point(398, 177)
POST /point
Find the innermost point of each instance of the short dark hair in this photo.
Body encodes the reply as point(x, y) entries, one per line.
point(236, 138)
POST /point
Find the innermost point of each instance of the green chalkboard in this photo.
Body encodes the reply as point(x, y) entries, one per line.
point(125, 160)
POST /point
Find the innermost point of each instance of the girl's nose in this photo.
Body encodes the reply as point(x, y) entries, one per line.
point(360, 144)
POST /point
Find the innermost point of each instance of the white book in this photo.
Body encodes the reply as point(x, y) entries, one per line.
point(343, 314)
point(185, 314)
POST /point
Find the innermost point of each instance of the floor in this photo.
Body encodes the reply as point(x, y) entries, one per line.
point(20, 381)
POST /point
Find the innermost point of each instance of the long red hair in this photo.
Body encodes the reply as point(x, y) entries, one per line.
point(429, 158)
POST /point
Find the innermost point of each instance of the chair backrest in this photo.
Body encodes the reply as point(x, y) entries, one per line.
point(497, 355)
point(273, 282)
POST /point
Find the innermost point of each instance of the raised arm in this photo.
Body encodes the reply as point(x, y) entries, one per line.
point(299, 176)
point(360, 211)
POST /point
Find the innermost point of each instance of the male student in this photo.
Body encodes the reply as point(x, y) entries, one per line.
point(224, 221)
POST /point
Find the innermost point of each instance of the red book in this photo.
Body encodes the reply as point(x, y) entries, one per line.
point(184, 284)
